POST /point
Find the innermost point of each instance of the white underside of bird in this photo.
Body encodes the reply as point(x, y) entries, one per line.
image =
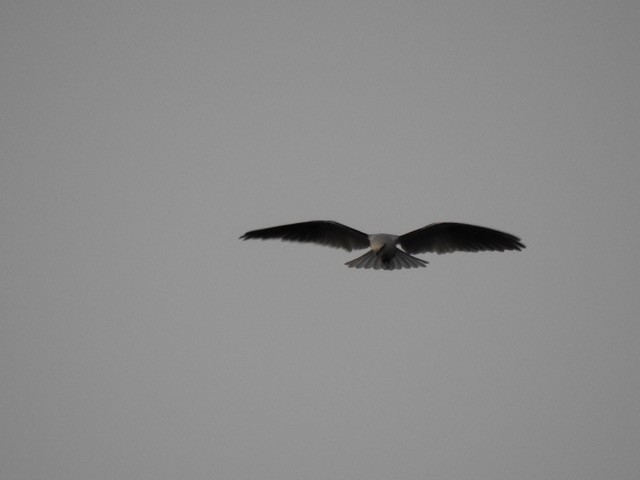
point(384, 253)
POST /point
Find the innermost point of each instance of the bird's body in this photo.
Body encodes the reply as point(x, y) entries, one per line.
point(382, 241)
point(384, 252)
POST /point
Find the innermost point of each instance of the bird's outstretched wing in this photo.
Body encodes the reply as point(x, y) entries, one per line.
point(329, 233)
point(457, 237)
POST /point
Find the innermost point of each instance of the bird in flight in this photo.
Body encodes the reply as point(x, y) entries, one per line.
point(384, 253)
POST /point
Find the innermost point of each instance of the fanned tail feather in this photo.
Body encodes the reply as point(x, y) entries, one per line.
point(399, 261)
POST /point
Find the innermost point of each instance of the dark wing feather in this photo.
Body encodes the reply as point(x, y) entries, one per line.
point(457, 237)
point(331, 234)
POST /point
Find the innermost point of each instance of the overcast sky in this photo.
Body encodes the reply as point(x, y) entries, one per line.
point(140, 339)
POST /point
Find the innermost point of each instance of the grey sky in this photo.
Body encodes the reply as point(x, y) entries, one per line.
point(140, 339)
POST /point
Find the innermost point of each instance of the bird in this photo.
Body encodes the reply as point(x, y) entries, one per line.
point(443, 237)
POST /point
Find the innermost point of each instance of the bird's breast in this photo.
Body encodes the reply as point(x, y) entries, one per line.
point(382, 241)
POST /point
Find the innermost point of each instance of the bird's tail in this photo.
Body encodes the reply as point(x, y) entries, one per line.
point(397, 262)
